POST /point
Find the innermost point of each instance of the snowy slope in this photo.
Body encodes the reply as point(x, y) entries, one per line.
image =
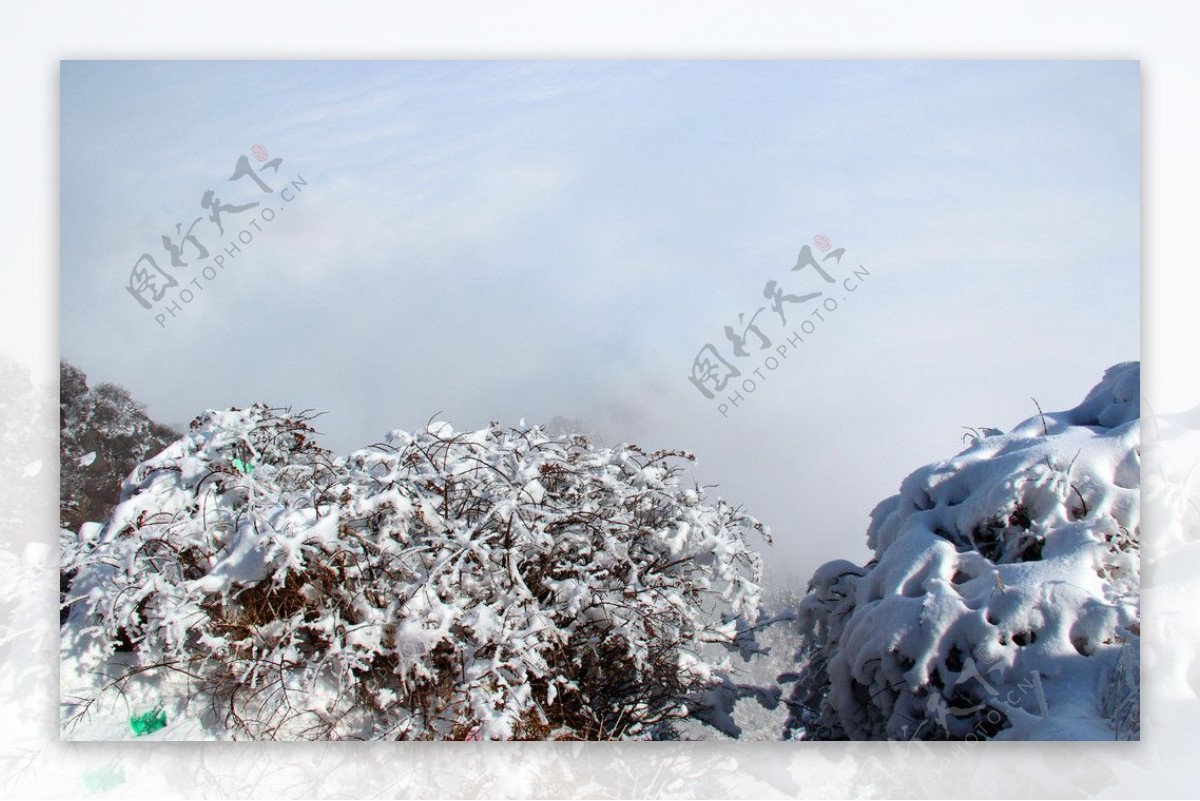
point(1002, 601)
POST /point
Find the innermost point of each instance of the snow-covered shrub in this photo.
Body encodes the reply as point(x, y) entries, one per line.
point(493, 584)
point(1003, 589)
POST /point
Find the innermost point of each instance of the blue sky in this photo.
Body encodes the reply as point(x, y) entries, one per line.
point(506, 240)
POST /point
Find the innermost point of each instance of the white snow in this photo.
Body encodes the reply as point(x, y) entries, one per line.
point(1003, 592)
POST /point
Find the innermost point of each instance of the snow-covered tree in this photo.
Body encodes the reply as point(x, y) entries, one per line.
point(495, 584)
point(103, 434)
point(1002, 599)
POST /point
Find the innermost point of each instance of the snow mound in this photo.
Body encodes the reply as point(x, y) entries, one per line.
point(495, 584)
point(1003, 599)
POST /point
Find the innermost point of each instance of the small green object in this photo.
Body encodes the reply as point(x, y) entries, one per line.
point(245, 468)
point(104, 778)
point(148, 723)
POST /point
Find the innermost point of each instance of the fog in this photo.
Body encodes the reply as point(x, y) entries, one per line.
point(524, 241)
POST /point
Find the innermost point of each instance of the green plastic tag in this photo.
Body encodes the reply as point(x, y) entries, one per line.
point(148, 723)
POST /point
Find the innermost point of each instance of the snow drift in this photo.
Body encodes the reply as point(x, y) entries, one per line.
point(1002, 600)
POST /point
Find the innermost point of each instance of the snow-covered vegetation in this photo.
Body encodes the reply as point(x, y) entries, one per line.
point(1003, 597)
point(530, 583)
point(493, 584)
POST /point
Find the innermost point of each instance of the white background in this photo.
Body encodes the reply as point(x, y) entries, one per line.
point(1161, 35)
